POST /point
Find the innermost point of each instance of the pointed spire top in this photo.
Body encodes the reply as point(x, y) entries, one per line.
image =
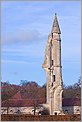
point(55, 27)
point(55, 14)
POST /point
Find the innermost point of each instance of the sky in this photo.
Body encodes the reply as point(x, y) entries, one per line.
point(25, 27)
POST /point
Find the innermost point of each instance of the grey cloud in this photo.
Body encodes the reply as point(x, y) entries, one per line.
point(21, 37)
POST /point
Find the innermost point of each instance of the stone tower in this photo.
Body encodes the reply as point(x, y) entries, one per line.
point(52, 67)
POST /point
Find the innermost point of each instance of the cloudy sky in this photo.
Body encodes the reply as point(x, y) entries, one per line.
point(25, 28)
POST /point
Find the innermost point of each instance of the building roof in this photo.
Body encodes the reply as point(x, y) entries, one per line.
point(21, 102)
point(18, 100)
point(17, 96)
point(71, 102)
point(31, 102)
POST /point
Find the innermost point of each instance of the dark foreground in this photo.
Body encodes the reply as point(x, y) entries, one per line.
point(13, 117)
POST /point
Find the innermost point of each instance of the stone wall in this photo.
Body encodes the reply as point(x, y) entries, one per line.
point(72, 109)
point(14, 110)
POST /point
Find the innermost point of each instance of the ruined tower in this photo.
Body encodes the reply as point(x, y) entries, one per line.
point(52, 67)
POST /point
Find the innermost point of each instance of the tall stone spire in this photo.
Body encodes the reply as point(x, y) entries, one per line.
point(53, 69)
point(55, 27)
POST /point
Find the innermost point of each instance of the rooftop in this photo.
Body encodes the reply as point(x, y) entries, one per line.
point(71, 102)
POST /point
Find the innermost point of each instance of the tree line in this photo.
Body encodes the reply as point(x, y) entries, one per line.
point(32, 90)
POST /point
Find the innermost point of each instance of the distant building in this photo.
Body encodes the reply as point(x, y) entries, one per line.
point(19, 105)
point(71, 105)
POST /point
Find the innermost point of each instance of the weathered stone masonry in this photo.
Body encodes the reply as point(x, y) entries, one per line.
point(52, 67)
